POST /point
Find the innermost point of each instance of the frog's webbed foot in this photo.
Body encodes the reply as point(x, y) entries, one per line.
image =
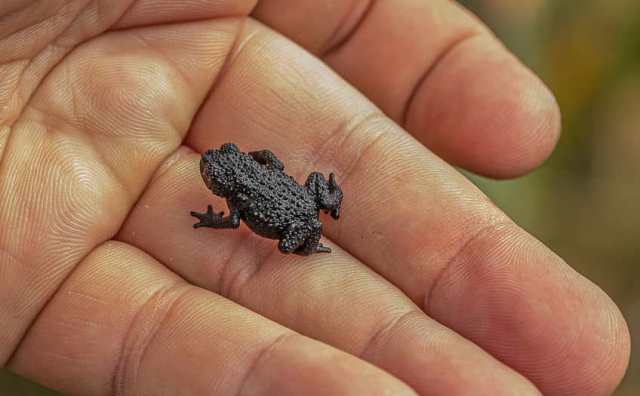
point(215, 220)
point(208, 218)
point(292, 238)
point(268, 159)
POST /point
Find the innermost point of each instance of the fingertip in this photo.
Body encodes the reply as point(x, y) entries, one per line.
point(596, 359)
point(525, 306)
point(481, 109)
point(525, 132)
point(609, 345)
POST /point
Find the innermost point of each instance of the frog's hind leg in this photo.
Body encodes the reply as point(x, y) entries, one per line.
point(312, 243)
point(303, 239)
point(328, 194)
point(293, 237)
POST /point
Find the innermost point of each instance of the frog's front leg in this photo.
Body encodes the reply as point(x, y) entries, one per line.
point(267, 158)
point(215, 220)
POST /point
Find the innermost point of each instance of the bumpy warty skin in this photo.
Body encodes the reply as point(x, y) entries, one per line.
point(269, 201)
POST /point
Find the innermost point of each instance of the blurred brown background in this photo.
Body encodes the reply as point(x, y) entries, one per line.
point(585, 201)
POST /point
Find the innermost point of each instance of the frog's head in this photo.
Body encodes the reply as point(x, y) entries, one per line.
point(217, 168)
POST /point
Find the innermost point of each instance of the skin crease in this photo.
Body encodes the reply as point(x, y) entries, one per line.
point(105, 288)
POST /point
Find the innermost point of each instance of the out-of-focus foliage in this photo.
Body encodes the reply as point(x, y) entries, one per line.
point(585, 201)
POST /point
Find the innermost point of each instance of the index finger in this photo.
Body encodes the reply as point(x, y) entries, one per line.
point(436, 70)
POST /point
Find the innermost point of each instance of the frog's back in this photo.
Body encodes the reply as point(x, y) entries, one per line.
point(277, 200)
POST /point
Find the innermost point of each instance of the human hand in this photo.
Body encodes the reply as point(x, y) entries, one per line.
point(106, 289)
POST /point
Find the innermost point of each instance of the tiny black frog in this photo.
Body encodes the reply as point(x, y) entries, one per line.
point(269, 201)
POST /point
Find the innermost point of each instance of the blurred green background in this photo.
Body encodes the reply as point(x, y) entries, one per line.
point(585, 201)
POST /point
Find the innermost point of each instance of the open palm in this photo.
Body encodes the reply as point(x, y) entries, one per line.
point(105, 288)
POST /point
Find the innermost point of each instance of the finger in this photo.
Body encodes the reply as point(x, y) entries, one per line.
point(86, 146)
point(332, 298)
point(123, 324)
point(418, 222)
point(435, 69)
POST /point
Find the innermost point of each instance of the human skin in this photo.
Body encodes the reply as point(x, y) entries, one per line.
point(105, 288)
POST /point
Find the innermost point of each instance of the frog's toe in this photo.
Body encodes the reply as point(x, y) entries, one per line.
point(323, 249)
point(207, 219)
